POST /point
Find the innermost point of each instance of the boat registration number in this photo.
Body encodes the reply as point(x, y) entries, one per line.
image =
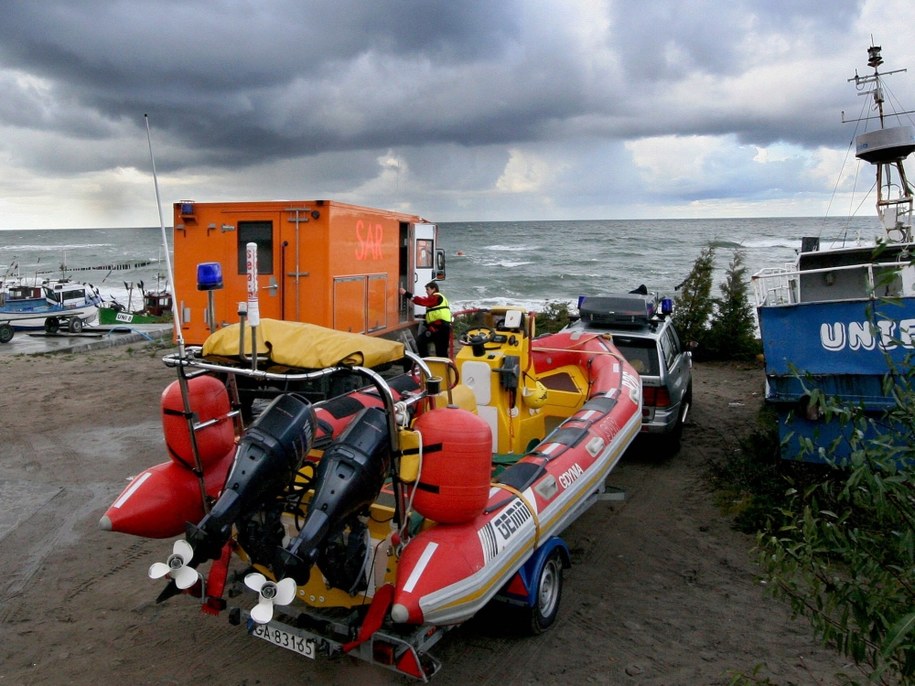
point(285, 639)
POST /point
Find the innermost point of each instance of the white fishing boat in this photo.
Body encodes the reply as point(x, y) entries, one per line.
point(52, 306)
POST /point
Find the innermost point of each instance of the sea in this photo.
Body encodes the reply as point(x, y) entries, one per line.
point(524, 263)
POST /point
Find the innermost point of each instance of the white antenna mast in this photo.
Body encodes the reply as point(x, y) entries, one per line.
point(168, 262)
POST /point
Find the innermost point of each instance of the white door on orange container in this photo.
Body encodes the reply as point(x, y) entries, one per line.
point(423, 260)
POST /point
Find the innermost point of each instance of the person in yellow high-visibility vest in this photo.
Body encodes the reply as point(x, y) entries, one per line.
point(437, 329)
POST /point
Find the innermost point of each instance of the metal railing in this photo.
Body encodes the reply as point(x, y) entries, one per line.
point(782, 286)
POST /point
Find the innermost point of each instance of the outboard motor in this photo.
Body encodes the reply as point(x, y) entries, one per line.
point(348, 479)
point(268, 457)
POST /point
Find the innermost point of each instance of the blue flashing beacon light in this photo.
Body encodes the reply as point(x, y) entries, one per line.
point(209, 276)
point(667, 306)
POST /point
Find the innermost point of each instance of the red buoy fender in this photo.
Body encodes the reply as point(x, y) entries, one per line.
point(453, 484)
point(208, 400)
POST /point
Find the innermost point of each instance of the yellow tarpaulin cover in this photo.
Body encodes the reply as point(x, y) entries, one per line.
point(306, 346)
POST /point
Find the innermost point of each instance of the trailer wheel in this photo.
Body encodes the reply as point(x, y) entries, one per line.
point(76, 325)
point(542, 614)
point(51, 325)
point(6, 333)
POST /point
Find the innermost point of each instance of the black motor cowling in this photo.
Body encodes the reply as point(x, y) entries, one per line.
point(268, 457)
point(348, 479)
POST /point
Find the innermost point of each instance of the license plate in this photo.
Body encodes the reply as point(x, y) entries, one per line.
point(284, 639)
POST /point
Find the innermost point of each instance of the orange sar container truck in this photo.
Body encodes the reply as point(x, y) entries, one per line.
point(318, 261)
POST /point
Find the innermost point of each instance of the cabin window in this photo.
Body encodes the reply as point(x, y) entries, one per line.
point(256, 232)
point(424, 254)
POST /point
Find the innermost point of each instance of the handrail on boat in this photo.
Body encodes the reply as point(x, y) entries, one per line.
point(786, 292)
point(190, 360)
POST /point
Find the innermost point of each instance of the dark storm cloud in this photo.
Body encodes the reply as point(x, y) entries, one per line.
point(238, 81)
point(243, 82)
point(660, 42)
point(565, 106)
point(666, 43)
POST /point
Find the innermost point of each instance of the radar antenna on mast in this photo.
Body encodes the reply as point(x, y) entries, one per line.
point(886, 148)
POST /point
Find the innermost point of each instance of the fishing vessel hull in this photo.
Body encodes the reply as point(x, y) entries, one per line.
point(110, 316)
point(38, 318)
point(855, 352)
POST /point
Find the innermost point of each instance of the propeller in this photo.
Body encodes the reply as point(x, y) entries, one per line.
point(269, 593)
point(176, 566)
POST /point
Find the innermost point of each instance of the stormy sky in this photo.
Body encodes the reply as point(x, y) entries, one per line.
point(457, 111)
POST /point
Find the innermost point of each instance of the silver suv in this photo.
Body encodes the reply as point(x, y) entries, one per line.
point(643, 332)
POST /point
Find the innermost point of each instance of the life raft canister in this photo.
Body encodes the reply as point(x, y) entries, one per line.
point(454, 480)
point(208, 400)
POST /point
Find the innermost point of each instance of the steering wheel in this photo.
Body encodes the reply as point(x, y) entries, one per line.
point(480, 335)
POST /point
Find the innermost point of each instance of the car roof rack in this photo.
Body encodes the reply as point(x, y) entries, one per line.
point(618, 310)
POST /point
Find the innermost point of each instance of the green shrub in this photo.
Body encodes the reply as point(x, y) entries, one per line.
point(555, 315)
point(841, 546)
point(722, 328)
point(732, 333)
point(693, 313)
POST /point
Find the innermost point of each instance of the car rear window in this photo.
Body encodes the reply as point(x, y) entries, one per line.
point(640, 352)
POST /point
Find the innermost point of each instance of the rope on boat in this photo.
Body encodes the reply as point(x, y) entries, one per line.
point(618, 356)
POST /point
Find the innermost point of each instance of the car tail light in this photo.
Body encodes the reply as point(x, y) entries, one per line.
point(656, 397)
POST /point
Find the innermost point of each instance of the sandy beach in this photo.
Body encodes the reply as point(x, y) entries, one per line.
point(662, 590)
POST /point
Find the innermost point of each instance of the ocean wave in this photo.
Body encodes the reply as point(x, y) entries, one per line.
point(763, 243)
point(33, 247)
point(722, 243)
point(511, 248)
point(507, 264)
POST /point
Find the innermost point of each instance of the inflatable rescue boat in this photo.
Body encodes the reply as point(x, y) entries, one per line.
point(370, 522)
